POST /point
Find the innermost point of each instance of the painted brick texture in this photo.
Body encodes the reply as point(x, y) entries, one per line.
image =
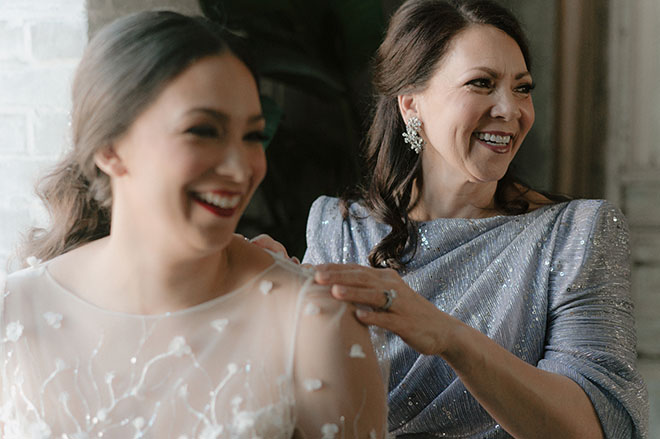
point(40, 45)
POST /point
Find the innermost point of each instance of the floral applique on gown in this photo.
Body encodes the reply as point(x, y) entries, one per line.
point(238, 366)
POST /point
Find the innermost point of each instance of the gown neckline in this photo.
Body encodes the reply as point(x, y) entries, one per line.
point(180, 312)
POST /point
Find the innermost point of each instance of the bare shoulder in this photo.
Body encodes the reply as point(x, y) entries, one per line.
point(71, 268)
point(252, 258)
point(284, 277)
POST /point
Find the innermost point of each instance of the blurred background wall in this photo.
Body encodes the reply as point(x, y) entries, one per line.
point(597, 130)
point(632, 158)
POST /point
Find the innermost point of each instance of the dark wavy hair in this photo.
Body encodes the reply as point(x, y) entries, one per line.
point(123, 70)
point(417, 38)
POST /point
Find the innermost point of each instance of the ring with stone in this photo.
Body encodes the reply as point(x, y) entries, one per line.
point(390, 295)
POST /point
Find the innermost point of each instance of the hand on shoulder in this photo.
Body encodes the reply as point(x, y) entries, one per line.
point(265, 241)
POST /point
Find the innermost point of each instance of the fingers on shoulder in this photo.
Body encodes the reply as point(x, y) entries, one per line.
point(268, 243)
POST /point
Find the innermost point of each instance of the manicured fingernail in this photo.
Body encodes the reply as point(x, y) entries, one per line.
point(361, 313)
point(321, 275)
point(338, 290)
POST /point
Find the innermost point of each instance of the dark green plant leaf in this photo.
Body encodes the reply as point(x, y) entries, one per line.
point(288, 65)
point(361, 25)
point(273, 114)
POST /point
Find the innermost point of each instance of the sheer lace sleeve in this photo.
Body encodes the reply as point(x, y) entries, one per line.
point(339, 389)
point(275, 358)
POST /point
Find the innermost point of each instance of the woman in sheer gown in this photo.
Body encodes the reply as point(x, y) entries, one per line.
point(141, 314)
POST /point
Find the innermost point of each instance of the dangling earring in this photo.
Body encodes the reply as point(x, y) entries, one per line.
point(411, 136)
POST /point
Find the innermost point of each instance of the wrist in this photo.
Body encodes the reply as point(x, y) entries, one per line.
point(459, 351)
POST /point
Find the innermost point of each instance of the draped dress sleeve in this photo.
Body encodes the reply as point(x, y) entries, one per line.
point(331, 238)
point(323, 216)
point(590, 334)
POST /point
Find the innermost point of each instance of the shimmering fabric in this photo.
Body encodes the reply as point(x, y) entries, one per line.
point(552, 286)
point(261, 361)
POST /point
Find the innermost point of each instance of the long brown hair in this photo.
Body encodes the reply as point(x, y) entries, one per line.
point(124, 68)
point(417, 38)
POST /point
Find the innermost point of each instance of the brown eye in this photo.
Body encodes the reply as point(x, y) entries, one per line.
point(525, 88)
point(481, 83)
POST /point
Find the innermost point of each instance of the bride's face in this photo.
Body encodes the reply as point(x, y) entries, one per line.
point(194, 158)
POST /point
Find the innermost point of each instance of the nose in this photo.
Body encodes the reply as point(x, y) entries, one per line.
point(233, 164)
point(506, 106)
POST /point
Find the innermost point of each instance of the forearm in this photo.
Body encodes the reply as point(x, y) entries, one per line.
point(526, 401)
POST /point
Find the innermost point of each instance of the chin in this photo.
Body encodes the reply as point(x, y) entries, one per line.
point(485, 178)
point(209, 243)
point(493, 174)
point(500, 175)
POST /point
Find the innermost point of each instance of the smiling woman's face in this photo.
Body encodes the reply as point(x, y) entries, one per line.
point(477, 108)
point(194, 158)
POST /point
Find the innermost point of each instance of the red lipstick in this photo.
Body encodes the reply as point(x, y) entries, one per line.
point(224, 212)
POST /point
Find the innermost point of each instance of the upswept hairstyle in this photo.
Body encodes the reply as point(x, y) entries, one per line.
point(417, 38)
point(123, 69)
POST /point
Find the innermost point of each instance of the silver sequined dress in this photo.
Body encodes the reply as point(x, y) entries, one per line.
point(552, 286)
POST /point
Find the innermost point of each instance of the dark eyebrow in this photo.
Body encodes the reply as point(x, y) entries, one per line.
point(495, 74)
point(223, 117)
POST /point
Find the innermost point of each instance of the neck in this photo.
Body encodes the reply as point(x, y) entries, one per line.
point(445, 195)
point(154, 274)
point(153, 283)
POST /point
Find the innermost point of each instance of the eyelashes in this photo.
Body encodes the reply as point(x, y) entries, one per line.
point(526, 88)
point(257, 136)
point(211, 132)
point(481, 83)
point(488, 84)
point(205, 131)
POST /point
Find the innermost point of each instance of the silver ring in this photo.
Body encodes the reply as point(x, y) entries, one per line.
point(390, 295)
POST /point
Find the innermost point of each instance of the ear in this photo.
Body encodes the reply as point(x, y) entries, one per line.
point(408, 106)
point(109, 162)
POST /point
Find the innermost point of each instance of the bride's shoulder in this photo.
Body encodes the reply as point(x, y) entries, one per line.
point(74, 261)
point(271, 267)
point(33, 268)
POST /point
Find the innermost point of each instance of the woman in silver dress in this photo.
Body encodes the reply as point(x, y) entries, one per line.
point(509, 310)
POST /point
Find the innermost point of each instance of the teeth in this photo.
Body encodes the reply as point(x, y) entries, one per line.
point(492, 138)
point(219, 200)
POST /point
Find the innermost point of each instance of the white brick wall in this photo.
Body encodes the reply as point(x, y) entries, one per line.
point(41, 42)
point(40, 45)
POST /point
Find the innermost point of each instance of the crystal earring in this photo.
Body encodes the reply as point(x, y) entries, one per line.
point(411, 136)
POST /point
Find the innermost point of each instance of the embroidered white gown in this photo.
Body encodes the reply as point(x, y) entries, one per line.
point(276, 358)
